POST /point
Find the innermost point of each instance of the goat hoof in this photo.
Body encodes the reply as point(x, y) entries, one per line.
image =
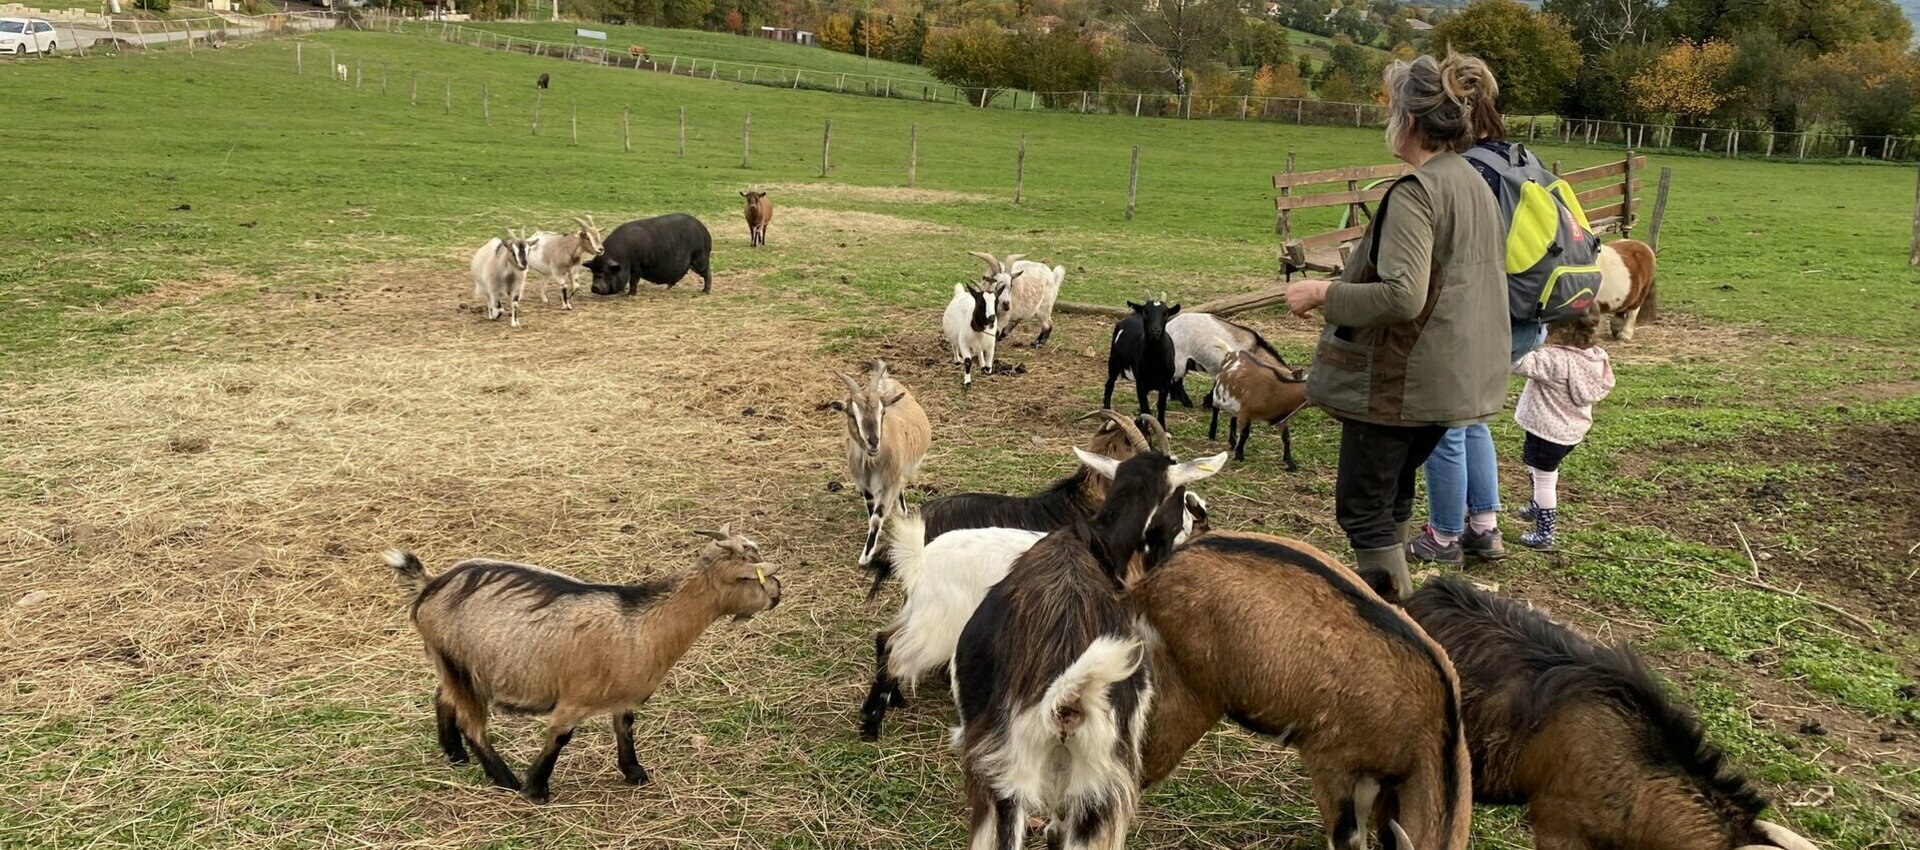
point(637, 777)
point(458, 760)
point(538, 797)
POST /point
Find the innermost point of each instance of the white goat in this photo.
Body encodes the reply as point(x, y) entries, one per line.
point(1024, 290)
point(887, 438)
point(971, 324)
point(560, 256)
point(500, 275)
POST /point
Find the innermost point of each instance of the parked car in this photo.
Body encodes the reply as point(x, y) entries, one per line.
point(20, 36)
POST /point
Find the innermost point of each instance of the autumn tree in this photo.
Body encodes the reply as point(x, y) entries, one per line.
point(1261, 43)
point(837, 33)
point(1532, 54)
point(1686, 81)
point(1282, 80)
point(1602, 25)
point(1184, 33)
point(1819, 26)
point(1873, 86)
point(1054, 63)
point(978, 58)
point(1340, 88)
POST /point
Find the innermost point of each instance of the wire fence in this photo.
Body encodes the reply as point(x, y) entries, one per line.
point(121, 35)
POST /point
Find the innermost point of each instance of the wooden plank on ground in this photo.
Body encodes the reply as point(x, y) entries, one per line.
point(1340, 175)
point(1330, 199)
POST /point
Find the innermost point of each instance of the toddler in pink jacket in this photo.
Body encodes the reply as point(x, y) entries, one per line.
point(1565, 378)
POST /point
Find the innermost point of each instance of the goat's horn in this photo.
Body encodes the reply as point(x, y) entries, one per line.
point(1163, 296)
point(1013, 258)
point(1134, 437)
point(993, 265)
point(879, 368)
point(1159, 434)
point(721, 535)
point(1784, 838)
point(1400, 838)
point(582, 222)
point(853, 386)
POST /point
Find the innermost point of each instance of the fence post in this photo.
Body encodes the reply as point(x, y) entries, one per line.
point(486, 105)
point(1356, 115)
point(1133, 182)
point(1913, 255)
point(536, 112)
point(189, 28)
point(626, 134)
point(413, 89)
point(573, 105)
point(446, 105)
point(796, 78)
point(1280, 222)
point(1770, 137)
point(1703, 141)
point(1020, 170)
point(826, 144)
point(913, 152)
point(1626, 198)
point(1299, 111)
point(1850, 148)
point(1803, 145)
point(356, 72)
point(746, 138)
point(1136, 104)
point(1243, 107)
point(333, 61)
point(297, 48)
point(383, 79)
point(683, 132)
point(841, 86)
point(1650, 311)
point(1083, 103)
point(141, 36)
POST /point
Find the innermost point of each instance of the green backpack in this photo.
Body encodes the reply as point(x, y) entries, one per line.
point(1552, 271)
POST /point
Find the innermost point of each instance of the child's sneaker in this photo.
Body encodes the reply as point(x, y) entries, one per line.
point(1428, 549)
point(1541, 537)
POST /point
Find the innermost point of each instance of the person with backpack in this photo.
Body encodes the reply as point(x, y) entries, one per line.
point(1463, 482)
point(1415, 329)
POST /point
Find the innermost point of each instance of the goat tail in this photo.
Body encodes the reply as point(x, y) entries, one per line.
point(1434, 803)
point(408, 569)
point(905, 557)
point(1080, 693)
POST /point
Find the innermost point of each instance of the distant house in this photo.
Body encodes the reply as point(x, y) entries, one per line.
point(1418, 25)
point(790, 35)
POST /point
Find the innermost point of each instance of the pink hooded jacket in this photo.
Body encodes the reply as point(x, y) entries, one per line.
point(1562, 386)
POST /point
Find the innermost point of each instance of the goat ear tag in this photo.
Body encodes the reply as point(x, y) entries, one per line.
point(761, 574)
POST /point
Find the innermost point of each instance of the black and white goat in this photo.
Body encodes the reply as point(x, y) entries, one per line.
point(958, 546)
point(972, 326)
point(1143, 353)
point(1050, 673)
point(500, 275)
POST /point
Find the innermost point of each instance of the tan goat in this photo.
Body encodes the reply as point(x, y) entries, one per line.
point(759, 212)
point(887, 438)
point(531, 640)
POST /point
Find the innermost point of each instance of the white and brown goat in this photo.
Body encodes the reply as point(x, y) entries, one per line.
point(1050, 673)
point(1253, 386)
point(1023, 290)
point(527, 639)
point(1285, 641)
point(759, 212)
point(887, 438)
point(561, 256)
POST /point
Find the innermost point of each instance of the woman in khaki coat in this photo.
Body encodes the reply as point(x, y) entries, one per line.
point(1416, 336)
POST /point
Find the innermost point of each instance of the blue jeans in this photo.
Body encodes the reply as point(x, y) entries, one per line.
point(1463, 476)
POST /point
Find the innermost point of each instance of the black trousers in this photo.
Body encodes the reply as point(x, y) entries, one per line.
point(1373, 491)
point(1543, 454)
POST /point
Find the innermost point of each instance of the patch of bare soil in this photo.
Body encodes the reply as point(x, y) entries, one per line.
point(1682, 338)
point(811, 222)
point(1850, 533)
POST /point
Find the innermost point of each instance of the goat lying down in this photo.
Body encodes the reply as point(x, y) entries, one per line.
point(1049, 675)
point(1285, 641)
point(1585, 736)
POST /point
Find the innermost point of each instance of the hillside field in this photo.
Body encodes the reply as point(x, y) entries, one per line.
point(239, 357)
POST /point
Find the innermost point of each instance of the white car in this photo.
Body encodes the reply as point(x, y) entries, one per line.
point(20, 36)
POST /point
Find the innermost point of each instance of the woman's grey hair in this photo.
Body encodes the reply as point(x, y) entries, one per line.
point(1436, 99)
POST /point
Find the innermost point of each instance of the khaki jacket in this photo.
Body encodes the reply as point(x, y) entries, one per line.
point(1417, 330)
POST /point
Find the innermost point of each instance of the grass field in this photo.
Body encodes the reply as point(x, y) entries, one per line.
point(661, 43)
point(239, 359)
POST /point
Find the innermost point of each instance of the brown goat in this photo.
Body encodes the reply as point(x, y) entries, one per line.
point(531, 640)
point(1255, 385)
point(1584, 735)
point(1287, 642)
point(759, 213)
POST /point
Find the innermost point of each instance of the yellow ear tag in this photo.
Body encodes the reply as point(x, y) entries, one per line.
point(760, 574)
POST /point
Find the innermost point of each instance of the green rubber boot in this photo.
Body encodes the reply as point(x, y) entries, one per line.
point(1391, 561)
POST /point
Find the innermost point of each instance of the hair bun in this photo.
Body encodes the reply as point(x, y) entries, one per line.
point(1467, 78)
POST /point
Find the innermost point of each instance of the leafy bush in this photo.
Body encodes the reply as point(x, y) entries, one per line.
point(154, 5)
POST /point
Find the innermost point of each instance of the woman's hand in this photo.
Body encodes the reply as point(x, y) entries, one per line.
point(1304, 295)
